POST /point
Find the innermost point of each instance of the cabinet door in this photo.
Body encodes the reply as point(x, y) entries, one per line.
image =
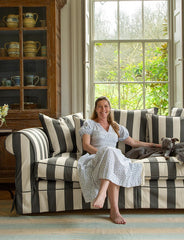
point(23, 57)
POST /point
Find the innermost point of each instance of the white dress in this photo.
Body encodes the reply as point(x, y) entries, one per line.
point(108, 163)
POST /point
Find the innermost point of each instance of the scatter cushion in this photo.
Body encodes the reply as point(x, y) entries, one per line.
point(78, 124)
point(60, 132)
point(177, 112)
point(165, 126)
point(136, 123)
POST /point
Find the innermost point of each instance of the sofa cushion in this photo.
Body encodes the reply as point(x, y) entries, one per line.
point(158, 168)
point(165, 126)
point(62, 167)
point(177, 112)
point(136, 123)
point(60, 132)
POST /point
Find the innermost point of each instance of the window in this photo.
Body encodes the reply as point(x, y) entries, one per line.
point(130, 43)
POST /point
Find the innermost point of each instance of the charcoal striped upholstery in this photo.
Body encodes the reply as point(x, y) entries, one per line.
point(50, 184)
point(165, 126)
point(29, 146)
point(136, 123)
point(78, 124)
point(62, 196)
point(177, 112)
point(62, 167)
point(60, 132)
point(158, 168)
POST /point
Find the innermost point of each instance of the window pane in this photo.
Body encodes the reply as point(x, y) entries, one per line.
point(155, 19)
point(157, 96)
point(105, 20)
point(106, 62)
point(156, 62)
point(130, 19)
point(108, 90)
point(131, 96)
point(131, 61)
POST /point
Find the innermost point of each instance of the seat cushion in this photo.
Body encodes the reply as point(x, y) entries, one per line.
point(62, 167)
point(60, 132)
point(158, 168)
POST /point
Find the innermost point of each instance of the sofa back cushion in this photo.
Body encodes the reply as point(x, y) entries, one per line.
point(60, 132)
point(165, 126)
point(136, 123)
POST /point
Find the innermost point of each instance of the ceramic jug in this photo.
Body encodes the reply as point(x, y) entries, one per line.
point(30, 19)
point(31, 80)
point(12, 20)
point(12, 48)
point(15, 80)
point(31, 48)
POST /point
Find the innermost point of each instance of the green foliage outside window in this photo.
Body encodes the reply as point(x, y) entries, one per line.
point(155, 86)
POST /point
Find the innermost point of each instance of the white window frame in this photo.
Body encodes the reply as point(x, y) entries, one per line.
point(170, 56)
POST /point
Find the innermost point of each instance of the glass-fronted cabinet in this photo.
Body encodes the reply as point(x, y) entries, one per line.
point(30, 67)
point(30, 59)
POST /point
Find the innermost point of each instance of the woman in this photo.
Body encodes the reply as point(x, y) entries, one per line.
point(104, 168)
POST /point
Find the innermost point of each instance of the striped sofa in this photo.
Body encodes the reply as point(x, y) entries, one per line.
point(46, 177)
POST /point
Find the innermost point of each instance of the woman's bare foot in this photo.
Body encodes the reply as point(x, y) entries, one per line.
point(117, 218)
point(99, 200)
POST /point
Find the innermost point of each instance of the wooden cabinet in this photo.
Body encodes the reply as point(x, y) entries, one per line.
point(30, 61)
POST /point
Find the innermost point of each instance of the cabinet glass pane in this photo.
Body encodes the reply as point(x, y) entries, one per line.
point(9, 17)
point(34, 42)
point(34, 99)
point(35, 68)
point(9, 69)
point(9, 41)
point(37, 13)
point(10, 97)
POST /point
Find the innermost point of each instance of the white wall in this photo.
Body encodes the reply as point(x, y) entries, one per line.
point(66, 105)
point(71, 58)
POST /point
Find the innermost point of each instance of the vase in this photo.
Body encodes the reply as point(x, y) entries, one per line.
point(1, 123)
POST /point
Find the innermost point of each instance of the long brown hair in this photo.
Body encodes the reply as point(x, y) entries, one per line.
point(110, 119)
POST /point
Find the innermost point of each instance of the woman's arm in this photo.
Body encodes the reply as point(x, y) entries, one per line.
point(135, 143)
point(87, 146)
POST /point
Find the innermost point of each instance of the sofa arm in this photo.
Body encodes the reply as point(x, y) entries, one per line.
point(28, 145)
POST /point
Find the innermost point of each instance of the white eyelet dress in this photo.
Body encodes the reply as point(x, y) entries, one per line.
point(108, 163)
